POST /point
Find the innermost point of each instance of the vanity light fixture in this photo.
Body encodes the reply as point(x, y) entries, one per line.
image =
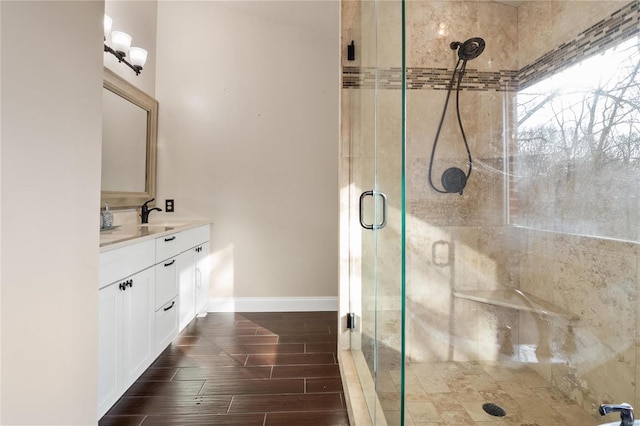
point(121, 47)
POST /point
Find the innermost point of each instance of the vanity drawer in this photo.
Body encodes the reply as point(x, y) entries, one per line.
point(173, 244)
point(168, 246)
point(118, 264)
point(166, 281)
point(166, 324)
point(195, 236)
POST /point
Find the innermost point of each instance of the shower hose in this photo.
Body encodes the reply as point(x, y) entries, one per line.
point(464, 138)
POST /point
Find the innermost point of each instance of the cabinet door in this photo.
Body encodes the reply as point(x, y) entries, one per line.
point(186, 280)
point(139, 324)
point(202, 279)
point(166, 324)
point(109, 347)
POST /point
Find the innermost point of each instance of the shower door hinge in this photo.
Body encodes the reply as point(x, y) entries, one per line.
point(351, 321)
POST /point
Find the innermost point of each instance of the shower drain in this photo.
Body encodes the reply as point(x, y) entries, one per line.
point(494, 410)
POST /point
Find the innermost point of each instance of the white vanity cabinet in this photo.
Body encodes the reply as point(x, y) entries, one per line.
point(194, 276)
point(187, 288)
point(168, 258)
point(126, 324)
point(166, 302)
point(202, 278)
point(139, 325)
point(183, 253)
point(148, 291)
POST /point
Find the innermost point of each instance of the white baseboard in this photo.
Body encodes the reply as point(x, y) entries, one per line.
point(273, 304)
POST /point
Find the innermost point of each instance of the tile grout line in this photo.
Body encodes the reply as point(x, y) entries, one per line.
point(229, 406)
point(173, 375)
point(204, 382)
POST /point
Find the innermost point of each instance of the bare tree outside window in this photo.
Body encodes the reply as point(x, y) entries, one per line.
point(577, 158)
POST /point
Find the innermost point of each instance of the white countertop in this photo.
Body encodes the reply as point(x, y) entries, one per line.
point(127, 234)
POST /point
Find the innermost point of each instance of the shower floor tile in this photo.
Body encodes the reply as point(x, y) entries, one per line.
point(524, 394)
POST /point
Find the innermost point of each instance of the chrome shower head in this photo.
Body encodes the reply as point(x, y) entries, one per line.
point(470, 49)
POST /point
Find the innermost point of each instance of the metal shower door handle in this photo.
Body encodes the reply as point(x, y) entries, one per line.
point(384, 210)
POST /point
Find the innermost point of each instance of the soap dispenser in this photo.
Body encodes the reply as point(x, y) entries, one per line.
point(106, 218)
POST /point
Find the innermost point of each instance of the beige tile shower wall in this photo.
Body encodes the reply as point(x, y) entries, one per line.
point(545, 25)
point(443, 260)
point(595, 279)
point(350, 28)
point(432, 26)
point(457, 242)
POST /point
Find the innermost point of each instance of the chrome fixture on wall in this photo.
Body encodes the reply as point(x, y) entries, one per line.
point(625, 410)
point(121, 47)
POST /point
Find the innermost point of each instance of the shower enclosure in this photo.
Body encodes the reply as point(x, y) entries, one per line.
point(521, 292)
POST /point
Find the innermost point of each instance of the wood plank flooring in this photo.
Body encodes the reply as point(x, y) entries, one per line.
point(242, 369)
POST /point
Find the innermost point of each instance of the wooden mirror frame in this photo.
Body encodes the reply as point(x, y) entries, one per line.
point(127, 91)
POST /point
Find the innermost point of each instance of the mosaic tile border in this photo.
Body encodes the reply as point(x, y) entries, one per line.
point(619, 26)
point(427, 78)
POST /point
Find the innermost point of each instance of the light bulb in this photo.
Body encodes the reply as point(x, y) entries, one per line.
point(120, 42)
point(137, 56)
point(107, 26)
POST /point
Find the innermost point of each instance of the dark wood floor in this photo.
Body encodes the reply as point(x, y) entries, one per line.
point(242, 369)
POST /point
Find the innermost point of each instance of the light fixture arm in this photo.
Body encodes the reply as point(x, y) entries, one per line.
point(121, 58)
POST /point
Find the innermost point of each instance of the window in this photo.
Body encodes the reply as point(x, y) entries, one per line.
point(576, 161)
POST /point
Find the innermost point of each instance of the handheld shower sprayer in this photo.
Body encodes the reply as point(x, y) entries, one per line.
point(454, 179)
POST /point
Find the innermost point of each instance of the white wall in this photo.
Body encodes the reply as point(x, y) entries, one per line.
point(248, 137)
point(51, 102)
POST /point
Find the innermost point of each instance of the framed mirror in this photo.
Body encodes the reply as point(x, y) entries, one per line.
point(129, 141)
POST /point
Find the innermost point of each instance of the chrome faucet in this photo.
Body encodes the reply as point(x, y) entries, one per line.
point(145, 210)
point(626, 412)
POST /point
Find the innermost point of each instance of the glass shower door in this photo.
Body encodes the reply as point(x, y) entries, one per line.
point(376, 180)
